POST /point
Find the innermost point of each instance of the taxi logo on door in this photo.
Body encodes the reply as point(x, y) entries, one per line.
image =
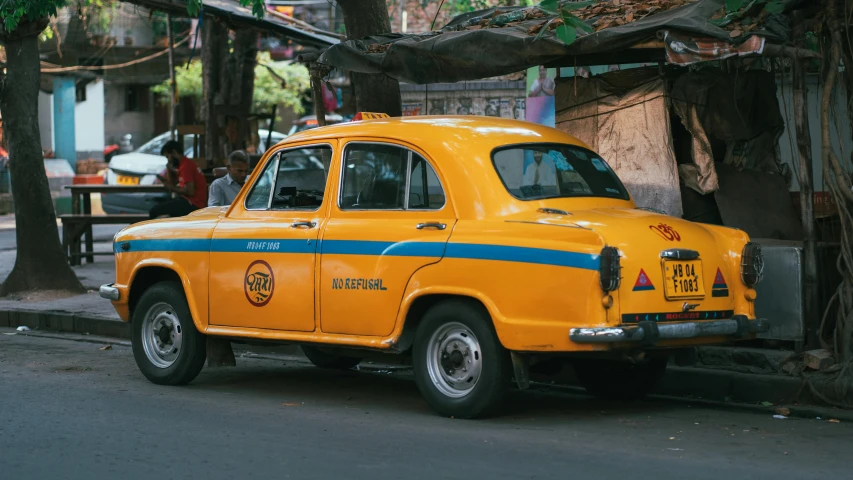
point(259, 283)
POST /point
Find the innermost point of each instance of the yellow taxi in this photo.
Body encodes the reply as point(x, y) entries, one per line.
point(476, 247)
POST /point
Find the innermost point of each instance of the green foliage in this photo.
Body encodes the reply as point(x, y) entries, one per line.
point(568, 31)
point(258, 7)
point(14, 12)
point(268, 86)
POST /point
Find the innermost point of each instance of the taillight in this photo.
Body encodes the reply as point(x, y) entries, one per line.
point(751, 264)
point(609, 270)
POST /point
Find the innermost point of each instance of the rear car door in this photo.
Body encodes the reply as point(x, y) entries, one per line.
point(391, 218)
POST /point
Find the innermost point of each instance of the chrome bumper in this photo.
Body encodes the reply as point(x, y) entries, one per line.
point(650, 333)
point(109, 292)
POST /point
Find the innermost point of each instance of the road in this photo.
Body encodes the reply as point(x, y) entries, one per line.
point(70, 410)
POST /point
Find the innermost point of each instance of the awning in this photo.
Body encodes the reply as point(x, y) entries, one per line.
point(238, 16)
point(473, 46)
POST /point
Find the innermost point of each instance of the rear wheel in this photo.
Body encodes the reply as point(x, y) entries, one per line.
point(615, 380)
point(326, 360)
point(460, 366)
point(166, 345)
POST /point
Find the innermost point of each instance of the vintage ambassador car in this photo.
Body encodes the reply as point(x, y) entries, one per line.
point(476, 247)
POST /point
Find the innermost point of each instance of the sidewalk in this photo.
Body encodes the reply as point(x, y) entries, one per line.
point(723, 374)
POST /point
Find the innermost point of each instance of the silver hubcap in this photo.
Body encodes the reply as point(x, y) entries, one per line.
point(454, 360)
point(162, 335)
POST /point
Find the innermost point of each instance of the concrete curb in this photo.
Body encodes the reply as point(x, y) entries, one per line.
point(65, 322)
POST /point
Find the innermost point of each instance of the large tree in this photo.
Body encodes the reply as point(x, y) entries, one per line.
point(373, 92)
point(40, 263)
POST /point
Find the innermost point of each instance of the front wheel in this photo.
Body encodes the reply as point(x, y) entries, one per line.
point(460, 366)
point(616, 380)
point(166, 345)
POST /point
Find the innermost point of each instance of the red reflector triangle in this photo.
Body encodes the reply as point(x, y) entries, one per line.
point(719, 281)
point(643, 282)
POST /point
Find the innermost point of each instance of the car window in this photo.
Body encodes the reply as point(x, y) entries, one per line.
point(375, 177)
point(259, 197)
point(538, 171)
point(425, 192)
point(301, 180)
point(154, 146)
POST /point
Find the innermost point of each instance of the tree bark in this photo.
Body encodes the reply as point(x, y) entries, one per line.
point(241, 82)
point(373, 92)
point(804, 149)
point(40, 263)
point(213, 54)
point(173, 90)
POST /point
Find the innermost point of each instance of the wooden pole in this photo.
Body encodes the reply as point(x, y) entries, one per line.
point(811, 306)
point(317, 92)
point(173, 97)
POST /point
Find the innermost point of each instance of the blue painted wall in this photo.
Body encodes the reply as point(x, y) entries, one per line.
point(64, 102)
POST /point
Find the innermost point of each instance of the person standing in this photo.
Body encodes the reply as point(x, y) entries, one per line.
point(184, 178)
point(224, 190)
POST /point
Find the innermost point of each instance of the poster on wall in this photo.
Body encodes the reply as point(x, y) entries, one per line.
point(412, 109)
point(540, 103)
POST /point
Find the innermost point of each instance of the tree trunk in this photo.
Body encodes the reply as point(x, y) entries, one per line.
point(213, 55)
point(373, 92)
point(241, 83)
point(40, 263)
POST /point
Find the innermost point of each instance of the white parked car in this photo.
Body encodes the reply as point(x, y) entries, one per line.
point(142, 166)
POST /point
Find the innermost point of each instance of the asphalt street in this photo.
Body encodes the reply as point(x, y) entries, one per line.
point(71, 410)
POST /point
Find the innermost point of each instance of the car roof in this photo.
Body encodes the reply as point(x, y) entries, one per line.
point(428, 129)
point(459, 147)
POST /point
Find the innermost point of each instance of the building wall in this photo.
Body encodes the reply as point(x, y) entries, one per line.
point(497, 99)
point(89, 123)
point(119, 121)
point(46, 120)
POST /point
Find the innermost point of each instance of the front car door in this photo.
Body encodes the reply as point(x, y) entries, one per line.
point(263, 254)
point(391, 218)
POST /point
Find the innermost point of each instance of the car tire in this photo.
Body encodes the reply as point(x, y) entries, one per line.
point(326, 360)
point(620, 380)
point(168, 348)
point(460, 366)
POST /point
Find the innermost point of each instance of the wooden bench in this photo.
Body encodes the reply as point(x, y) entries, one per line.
point(74, 225)
point(81, 220)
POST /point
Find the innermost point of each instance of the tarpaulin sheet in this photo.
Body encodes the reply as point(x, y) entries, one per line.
point(623, 116)
point(741, 109)
point(453, 55)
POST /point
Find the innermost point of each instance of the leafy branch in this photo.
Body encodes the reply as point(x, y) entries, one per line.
point(568, 31)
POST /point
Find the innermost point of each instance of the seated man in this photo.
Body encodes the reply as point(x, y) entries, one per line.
point(184, 178)
point(224, 190)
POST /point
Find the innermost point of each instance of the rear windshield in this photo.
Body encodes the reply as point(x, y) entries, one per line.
point(547, 170)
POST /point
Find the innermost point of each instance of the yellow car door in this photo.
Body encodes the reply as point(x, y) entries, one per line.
point(390, 218)
point(263, 253)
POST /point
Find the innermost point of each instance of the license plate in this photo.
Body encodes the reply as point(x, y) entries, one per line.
point(127, 180)
point(683, 279)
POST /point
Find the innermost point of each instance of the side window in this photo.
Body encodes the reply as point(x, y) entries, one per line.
point(293, 179)
point(301, 181)
point(374, 177)
point(259, 197)
point(425, 192)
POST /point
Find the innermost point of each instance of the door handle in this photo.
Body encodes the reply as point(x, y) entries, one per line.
point(303, 224)
point(435, 225)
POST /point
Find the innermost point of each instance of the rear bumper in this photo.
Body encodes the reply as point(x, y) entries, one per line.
point(650, 333)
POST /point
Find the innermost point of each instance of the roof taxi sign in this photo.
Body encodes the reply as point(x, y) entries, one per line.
point(368, 116)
